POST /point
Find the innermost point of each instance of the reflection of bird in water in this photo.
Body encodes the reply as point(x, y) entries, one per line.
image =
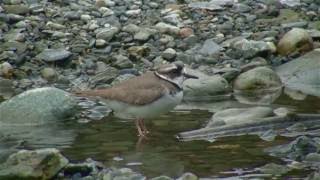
point(146, 96)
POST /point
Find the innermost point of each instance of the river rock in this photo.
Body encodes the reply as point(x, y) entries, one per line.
point(297, 149)
point(105, 75)
point(205, 86)
point(205, 5)
point(143, 34)
point(239, 115)
point(188, 176)
point(37, 164)
point(302, 74)
point(6, 88)
point(210, 48)
point(37, 106)
point(274, 169)
point(250, 48)
point(167, 28)
point(295, 40)
point(52, 55)
point(169, 54)
point(16, 9)
point(107, 33)
point(162, 178)
point(49, 74)
point(257, 79)
point(6, 70)
point(122, 62)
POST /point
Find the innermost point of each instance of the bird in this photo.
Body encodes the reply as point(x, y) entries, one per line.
point(146, 96)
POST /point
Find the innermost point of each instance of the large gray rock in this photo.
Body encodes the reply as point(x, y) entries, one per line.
point(239, 115)
point(205, 86)
point(302, 74)
point(37, 106)
point(38, 164)
point(257, 79)
point(295, 40)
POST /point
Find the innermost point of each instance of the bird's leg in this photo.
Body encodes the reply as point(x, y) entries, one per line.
point(138, 126)
point(143, 126)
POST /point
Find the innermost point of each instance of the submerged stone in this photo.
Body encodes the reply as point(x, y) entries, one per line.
point(257, 78)
point(239, 115)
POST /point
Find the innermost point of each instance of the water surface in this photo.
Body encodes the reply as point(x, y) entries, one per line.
point(115, 142)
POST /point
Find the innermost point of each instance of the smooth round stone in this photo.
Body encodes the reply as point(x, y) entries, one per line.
point(49, 74)
point(6, 70)
point(257, 79)
point(186, 32)
point(101, 43)
point(104, 3)
point(188, 176)
point(169, 54)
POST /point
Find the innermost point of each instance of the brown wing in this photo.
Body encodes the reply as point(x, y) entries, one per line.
point(140, 90)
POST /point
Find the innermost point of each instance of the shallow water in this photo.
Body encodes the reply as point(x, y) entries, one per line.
point(115, 143)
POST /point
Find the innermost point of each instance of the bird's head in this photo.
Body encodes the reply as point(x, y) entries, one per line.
point(174, 73)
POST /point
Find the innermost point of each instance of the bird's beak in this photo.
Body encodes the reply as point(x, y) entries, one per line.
point(189, 76)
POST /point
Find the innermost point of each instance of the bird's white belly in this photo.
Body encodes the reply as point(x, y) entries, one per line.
point(156, 108)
